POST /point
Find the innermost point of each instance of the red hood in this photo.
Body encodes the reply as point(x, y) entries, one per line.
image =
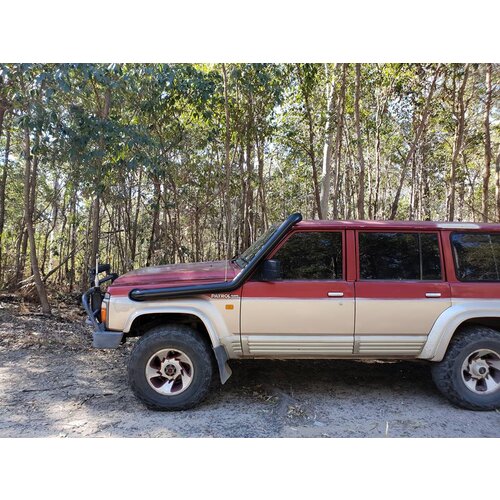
point(178, 274)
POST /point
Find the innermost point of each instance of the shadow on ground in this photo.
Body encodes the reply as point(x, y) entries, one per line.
point(53, 384)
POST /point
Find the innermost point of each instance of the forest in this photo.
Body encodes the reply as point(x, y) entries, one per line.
point(147, 164)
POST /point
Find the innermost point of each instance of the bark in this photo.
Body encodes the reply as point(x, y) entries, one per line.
point(96, 209)
point(262, 187)
point(3, 110)
point(154, 225)
point(227, 164)
point(311, 149)
point(457, 143)
point(4, 105)
point(339, 135)
point(497, 185)
point(3, 184)
point(361, 159)
point(487, 144)
point(136, 218)
point(326, 171)
point(73, 237)
point(30, 175)
point(248, 199)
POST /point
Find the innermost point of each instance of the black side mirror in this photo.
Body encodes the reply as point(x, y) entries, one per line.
point(271, 270)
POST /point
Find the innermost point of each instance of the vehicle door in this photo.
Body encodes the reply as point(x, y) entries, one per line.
point(400, 291)
point(310, 311)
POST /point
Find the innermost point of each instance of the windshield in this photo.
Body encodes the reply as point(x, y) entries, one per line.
point(244, 258)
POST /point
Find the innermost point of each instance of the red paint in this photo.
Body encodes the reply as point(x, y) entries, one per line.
point(485, 290)
point(392, 225)
point(174, 275)
point(217, 271)
point(298, 289)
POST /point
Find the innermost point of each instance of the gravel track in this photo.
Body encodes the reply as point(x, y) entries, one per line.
point(52, 383)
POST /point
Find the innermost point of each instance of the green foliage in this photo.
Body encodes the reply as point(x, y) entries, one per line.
point(149, 141)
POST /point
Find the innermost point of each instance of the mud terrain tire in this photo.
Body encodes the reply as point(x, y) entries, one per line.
point(178, 338)
point(447, 374)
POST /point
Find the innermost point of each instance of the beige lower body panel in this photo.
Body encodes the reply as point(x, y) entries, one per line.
point(298, 346)
point(297, 328)
point(301, 317)
point(394, 328)
point(398, 316)
point(388, 346)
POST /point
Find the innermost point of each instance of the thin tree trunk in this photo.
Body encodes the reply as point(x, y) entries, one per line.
point(361, 160)
point(104, 113)
point(326, 171)
point(457, 144)
point(30, 175)
point(337, 178)
point(135, 229)
point(3, 184)
point(262, 188)
point(312, 157)
point(227, 165)
point(497, 184)
point(487, 144)
point(156, 218)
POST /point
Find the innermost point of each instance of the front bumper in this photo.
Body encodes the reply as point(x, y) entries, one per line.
point(101, 338)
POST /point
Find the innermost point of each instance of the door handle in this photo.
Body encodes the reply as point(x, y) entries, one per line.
point(335, 294)
point(433, 295)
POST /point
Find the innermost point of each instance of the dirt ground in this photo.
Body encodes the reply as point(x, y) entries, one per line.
point(52, 383)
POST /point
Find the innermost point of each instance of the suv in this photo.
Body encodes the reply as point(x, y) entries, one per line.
point(309, 290)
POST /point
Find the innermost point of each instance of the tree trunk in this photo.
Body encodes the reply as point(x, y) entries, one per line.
point(136, 218)
point(3, 184)
point(312, 157)
point(326, 172)
point(262, 189)
point(156, 218)
point(361, 160)
point(227, 165)
point(497, 184)
point(104, 113)
point(30, 175)
point(457, 144)
point(339, 136)
point(487, 144)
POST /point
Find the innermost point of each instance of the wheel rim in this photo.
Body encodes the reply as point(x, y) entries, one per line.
point(169, 372)
point(481, 371)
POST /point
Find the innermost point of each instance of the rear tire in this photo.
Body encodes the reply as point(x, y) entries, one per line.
point(171, 368)
point(469, 374)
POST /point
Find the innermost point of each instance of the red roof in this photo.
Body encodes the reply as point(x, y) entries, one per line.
point(395, 224)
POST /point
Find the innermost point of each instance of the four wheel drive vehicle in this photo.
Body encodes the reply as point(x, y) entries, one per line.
point(314, 289)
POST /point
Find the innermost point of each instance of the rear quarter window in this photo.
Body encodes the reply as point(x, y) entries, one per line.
point(399, 256)
point(476, 256)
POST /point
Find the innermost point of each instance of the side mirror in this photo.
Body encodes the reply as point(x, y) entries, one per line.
point(271, 270)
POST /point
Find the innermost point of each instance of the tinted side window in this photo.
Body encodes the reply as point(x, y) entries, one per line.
point(311, 256)
point(477, 256)
point(399, 256)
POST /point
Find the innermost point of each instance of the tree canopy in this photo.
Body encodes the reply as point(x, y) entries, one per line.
point(155, 163)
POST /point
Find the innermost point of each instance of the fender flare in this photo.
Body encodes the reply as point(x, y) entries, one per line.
point(449, 320)
point(219, 350)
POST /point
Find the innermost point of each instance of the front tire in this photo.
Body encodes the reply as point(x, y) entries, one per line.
point(469, 374)
point(170, 368)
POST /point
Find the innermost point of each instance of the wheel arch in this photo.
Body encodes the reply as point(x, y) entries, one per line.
point(147, 320)
point(140, 322)
point(483, 313)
